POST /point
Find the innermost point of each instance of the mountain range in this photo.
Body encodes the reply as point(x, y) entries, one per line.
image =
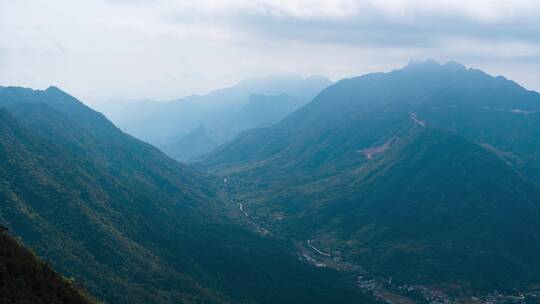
point(189, 127)
point(416, 185)
point(131, 225)
point(425, 175)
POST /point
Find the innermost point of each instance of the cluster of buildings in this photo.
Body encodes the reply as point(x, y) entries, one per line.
point(429, 295)
point(383, 289)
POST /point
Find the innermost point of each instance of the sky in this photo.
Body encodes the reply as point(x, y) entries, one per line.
point(105, 51)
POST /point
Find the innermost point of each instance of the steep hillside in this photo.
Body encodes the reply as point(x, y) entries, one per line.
point(359, 112)
point(428, 175)
point(85, 221)
point(432, 208)
point(128, 222)
point(24, 278)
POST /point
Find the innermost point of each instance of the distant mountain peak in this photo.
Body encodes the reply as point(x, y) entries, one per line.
point(53, 88)
point(433, 64)
point(418, 63)
point(318, 77)
point(57, 91)
point(455, 65)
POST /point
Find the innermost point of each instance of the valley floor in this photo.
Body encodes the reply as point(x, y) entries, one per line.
point(381, 288)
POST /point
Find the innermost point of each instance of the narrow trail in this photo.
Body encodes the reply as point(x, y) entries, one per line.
point(514, 111)
point(241, 206)
point(317, 250)
point(418, 121)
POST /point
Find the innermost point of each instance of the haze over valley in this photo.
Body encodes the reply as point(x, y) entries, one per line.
point(269, 152)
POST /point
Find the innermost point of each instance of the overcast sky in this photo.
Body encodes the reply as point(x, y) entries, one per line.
point(107, 50)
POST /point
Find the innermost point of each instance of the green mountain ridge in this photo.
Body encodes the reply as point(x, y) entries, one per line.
point(427, 211)
point(448, 194)
point(130, 224)
point(358, 108)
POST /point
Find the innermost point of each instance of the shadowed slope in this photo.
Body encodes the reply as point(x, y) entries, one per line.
point(452, 197)
point(128, 222)
point(26, 279)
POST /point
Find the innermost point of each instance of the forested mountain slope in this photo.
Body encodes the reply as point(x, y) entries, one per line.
point(24, 278)
point(130, 224)
point(428, 174)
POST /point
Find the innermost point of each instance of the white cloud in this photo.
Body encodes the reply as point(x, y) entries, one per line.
point(479, 10)
point(118, 49)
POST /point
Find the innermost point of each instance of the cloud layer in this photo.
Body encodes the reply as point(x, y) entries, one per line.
point(129, 49)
